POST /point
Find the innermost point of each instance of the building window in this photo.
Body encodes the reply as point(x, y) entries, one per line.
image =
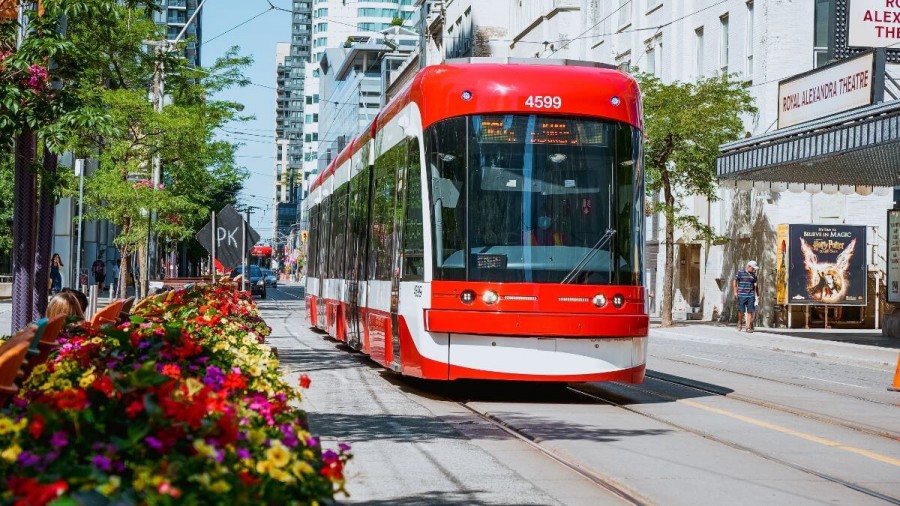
point(651, 58)
point(824, 32)
point(624, 14)
point(749, 69)
point(321, 13)
point(723, 44)
point(698, 41)
point(623, 62)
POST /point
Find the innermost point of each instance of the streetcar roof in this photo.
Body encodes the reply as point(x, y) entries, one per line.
point(584, 89)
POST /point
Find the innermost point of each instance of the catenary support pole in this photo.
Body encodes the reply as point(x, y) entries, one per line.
point(213, 263)
point(79, 171)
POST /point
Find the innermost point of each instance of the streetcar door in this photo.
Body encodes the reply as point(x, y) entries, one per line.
point(397, 263)
point(359, 186)
point(408, 256)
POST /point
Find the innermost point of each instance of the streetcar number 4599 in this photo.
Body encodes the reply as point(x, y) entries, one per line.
point(543, 102)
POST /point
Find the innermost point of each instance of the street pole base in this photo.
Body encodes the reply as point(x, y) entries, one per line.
point(892, 389)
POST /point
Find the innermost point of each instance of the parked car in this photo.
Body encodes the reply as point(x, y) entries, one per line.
point(257, 280)
point(271, 278)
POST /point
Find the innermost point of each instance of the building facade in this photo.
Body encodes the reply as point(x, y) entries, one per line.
point(760, 42)
point(174, 15)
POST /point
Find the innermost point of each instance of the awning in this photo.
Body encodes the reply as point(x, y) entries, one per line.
point(859, 147)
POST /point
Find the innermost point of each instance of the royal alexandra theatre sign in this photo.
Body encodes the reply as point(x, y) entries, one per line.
point(873, 23)
point(827, 90)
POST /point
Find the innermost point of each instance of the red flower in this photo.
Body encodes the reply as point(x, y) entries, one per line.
point(247, 478)
point(305, 381)
point(333, 471)
point(71, 399)
point(134, 408)
point(105, 385)
point(36, 427)
point(172, 371)
point(31, 493)
point(234, 380)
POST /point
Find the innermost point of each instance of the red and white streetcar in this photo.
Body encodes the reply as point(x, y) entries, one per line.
point(489, 224)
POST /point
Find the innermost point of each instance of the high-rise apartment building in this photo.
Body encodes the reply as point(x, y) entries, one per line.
point(174, 15)
point(289, 123)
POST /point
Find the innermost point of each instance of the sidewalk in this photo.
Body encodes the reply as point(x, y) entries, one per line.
point(863, 347)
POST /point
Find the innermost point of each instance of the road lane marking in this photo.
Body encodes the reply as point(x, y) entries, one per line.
point(784, 430)
point(701, 358)
point(829, 381)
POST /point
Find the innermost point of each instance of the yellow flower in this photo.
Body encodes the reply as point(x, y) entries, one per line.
point(308, 455)
point(278, 455)
point(301, 468)
point(281, 476)
point(204, 449)
point(193, 385)
point(96, 340)
point(86, 380)
point(257, 437)
point(6, 425)
point(12, 453)
point(219, 487)
point(110, 487)
point(263, 466)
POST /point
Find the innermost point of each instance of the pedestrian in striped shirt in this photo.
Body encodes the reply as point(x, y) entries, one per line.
point(746, 291)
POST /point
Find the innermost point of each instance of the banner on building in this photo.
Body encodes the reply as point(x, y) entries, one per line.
point(893, 256)
point(781, 264)
point(827, 265)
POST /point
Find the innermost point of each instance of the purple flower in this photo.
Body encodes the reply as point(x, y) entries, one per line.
point(50, 457)
point(242, 453)
point(214, 376)
point(28, 459)
point(59, 439)
point(154, 443)
point(101, 462)
point(329, 457)
point(344, 447)
point(312, 442)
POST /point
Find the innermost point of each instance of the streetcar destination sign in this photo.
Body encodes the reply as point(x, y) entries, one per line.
point(827, 90)
point(230, 244)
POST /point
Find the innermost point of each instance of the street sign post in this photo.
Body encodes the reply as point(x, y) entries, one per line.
point(222, 237)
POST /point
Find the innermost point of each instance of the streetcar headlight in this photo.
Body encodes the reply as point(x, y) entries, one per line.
point(615, 101)
point(618, 300)
point(467, 297)
point(599, 300)
point(490, 297)
point(261, 282)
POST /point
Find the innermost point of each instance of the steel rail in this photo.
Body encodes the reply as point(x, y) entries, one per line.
point(731, 444)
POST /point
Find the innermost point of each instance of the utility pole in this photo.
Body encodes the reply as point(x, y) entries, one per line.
point(246, 275)
point(159, 98)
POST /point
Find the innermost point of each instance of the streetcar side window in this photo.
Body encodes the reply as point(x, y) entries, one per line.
point(383, 204)
point(413, 244)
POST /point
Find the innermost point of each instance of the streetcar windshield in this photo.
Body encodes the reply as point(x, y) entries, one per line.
point(536, 198)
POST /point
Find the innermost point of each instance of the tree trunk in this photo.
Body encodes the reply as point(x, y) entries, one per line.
point(142, 262)
point(24, 198)
point(668, 287)
point(44, 237)
point(122, 288)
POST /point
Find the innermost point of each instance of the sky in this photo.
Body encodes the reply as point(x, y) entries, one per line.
point(256, 38)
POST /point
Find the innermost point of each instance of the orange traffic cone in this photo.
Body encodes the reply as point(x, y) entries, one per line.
point(896, 386)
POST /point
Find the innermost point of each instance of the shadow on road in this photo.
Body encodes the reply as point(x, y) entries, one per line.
point(437, 498)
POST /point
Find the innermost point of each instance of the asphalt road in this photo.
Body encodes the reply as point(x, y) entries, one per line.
point(723, 418)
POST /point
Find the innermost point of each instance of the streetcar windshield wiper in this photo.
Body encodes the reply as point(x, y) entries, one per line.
point(589, 256)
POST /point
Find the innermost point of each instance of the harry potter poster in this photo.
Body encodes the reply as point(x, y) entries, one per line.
point(827, 265)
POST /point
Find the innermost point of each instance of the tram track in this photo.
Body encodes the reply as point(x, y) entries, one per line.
point(612, 399)
point(810, 415)
point(623, 493)
point(620, 401)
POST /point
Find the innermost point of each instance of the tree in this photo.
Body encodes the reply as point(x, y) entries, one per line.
point(85, 91)
point(684, 125)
